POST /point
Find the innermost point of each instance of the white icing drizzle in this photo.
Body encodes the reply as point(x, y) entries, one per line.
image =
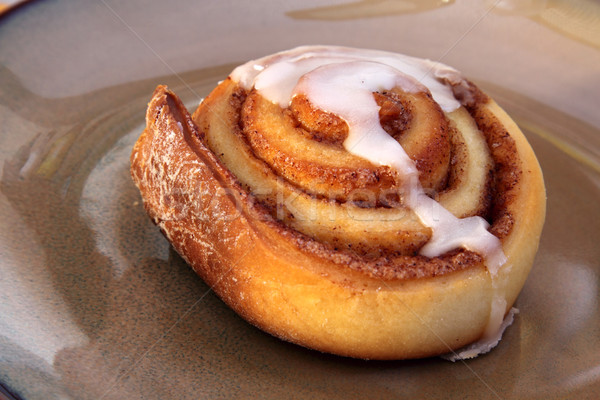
point(290, 65)
point(485, 344)
point(341, 81)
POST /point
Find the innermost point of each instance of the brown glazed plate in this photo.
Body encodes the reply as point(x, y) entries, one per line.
point(94, 304)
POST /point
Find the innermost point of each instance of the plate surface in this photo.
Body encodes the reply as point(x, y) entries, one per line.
point(94, 304)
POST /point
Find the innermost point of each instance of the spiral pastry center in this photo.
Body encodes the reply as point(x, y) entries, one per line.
point(337, 84)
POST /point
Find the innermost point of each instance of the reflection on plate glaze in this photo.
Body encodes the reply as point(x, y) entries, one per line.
point(577, 154)
point(368, 9)
point(578, 19)
point(65, 289)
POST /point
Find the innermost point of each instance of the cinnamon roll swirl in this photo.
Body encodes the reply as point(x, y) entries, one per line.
point(357, 202)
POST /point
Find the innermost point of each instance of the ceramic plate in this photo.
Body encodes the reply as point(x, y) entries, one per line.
point(94, 304)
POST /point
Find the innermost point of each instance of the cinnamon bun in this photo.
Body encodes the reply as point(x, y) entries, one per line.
point(357, 202)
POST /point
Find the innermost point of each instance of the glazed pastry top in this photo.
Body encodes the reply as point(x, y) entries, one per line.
point(342, 81)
